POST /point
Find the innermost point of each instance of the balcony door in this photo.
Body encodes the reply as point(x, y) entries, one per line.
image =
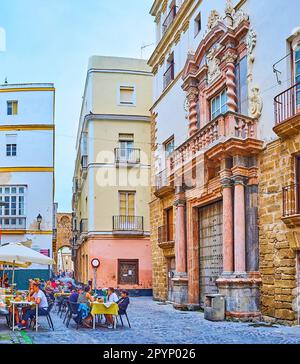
point(297, 185)
point(127, 210)
point(169, 224)
point(126, 144)
point(297, 77)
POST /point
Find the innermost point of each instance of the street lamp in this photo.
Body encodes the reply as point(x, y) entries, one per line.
point(39, 220)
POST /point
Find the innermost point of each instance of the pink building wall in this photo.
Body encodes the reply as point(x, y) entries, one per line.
point(109, 250)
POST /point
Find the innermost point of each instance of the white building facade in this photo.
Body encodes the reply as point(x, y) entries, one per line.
point(27, 170)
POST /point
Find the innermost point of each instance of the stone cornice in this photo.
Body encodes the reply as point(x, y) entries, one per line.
point(165, 41)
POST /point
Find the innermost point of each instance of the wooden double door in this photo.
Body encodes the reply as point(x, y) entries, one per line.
point(210, 248)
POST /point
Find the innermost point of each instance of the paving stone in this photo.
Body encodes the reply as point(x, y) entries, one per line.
point(153, 323)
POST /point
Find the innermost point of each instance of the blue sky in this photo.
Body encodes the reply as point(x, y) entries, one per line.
point(51, 41)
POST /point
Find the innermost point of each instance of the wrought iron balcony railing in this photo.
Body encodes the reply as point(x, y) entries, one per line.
point(169, 75)
point(169, 19)
point(287, 104)
point(291, 200)
point(128, 223)
point(166, 233)
point(83, 226)
point(162, 180)
point(84, 162)
point(12, 223)
point(128, 155)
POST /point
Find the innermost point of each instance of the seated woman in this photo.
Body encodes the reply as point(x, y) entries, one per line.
point(112, 298)
point(39, 299)
point(84, 300)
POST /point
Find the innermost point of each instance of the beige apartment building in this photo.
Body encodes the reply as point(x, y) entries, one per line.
point(111, 179)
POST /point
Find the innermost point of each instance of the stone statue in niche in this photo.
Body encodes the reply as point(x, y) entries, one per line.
point(213, 65)
point(251, 44)
point(256, 103)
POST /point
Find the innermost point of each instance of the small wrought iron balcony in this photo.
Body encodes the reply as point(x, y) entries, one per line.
point(169, 19)
point(127, 155)
point(166, 233)
point(12, 223)
point(83, 226)
point(123, 223)
point(287, 104)
point(291, 200)
point(84, 164)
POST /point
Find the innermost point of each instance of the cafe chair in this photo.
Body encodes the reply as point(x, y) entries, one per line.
point(5, 313)
point(74, 313)
point(47, 315)
point(124, 313)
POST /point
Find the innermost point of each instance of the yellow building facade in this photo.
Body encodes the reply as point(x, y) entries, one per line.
point(112, 175)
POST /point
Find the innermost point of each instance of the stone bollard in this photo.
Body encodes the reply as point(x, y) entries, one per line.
point(214, 309)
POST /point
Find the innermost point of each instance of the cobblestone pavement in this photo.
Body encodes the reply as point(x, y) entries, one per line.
point(156, 323)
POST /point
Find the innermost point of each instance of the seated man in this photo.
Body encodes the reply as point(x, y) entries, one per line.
point(123, 302)
point(40, 299)
point(74, 296)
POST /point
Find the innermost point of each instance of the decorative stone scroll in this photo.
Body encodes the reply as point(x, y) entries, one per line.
point(251, 44)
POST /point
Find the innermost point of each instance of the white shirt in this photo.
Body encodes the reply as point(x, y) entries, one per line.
point(113, 298)
point(43, 303)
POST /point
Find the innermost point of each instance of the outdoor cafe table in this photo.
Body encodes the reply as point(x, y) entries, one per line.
point(60, 294)
point(25, 303)
point(101, 308)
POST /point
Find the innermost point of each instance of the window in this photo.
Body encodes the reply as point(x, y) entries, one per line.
point(219, 104)
point(126, 143)
point(12, 107)
point(170, 71)
point(242, 86)
point(12, 214)
point(169, 146)
point(169, 224)
point(11, 150)
point(297, 74)
point(128, 271)
point(197, 24)
point(127, 203)
point(127, 95)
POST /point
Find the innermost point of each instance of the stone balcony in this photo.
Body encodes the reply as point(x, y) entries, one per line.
point(228, 133)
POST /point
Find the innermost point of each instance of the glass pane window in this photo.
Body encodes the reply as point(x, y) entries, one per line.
point(14, 198)
point(127, 203)
point(11, 150)
point(12, 107)
point(169, 147)
point(219, 104)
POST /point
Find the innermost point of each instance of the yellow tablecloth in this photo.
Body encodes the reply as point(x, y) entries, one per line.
point(62, 294)
point(99, 308)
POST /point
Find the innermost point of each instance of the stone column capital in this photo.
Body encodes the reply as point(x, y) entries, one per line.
point(226, 182)
point(180, 202)
point(240, 180)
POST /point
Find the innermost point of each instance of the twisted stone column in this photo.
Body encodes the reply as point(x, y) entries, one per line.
point(231, 82)
point(193, 98)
